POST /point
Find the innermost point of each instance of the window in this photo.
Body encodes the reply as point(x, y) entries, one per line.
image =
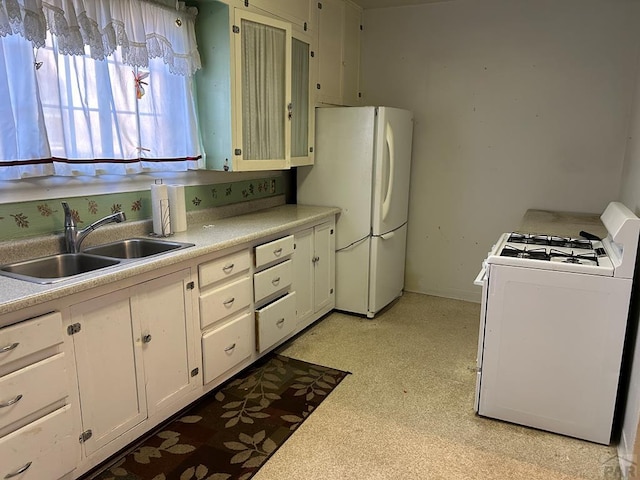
point(91, 113)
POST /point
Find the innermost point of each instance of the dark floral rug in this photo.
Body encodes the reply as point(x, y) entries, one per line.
point(231, 432)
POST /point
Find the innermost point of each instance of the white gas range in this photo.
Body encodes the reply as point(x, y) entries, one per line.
point(553, 322)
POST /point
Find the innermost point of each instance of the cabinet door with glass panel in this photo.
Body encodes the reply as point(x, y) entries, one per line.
point(262, 92)
point(254, 90)
point(303, 67)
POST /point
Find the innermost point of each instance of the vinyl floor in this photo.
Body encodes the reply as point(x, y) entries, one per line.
point(407, 410)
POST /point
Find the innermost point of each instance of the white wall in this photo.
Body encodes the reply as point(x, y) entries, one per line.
point(630, 196)
point(518, 104)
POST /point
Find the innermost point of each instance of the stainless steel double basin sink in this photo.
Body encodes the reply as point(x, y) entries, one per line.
point(61, 266)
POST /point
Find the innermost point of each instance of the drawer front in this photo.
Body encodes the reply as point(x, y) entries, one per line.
point(225, 267)
point(272, 251)
point(272, 280)
point(45, 448)
point(25, 338)
point(224, 301)
point(32, 388)
point(275, 321)
point(227, 346)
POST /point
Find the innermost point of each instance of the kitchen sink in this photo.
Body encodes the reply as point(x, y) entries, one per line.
point(136, 248)
point(57, 267)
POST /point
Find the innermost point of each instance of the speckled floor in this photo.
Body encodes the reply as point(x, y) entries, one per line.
point(407, 410)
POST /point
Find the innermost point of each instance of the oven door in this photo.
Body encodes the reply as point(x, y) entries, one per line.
point(481, 280)
point(551, 349)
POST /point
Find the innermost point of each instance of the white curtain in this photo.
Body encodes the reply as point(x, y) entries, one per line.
point(142, 29)
point(263, 91)
point(110, 92)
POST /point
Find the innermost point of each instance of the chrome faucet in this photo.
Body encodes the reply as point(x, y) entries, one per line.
point(74, 237)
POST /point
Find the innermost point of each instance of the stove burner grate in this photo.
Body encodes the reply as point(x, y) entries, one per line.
point(576, 258)
point(533, 254)
point(553, 241)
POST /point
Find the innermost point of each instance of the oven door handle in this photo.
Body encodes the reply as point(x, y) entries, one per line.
point(482, 276)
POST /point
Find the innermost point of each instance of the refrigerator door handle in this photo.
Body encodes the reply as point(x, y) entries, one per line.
point(386, 204)
point(388, 235)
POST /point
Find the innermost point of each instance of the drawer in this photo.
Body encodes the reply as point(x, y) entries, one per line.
point(45, 449)
point(227, 346)
point(32, 388)
point(272, 279)
point(225, 267)
point(31, 336)
point(275, 321)
point(224, 301)
point(272, 251)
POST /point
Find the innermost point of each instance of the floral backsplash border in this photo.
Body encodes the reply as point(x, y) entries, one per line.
point(43, 217)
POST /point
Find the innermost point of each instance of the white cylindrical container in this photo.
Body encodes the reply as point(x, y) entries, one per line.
point(160, 209)
point(178, 208)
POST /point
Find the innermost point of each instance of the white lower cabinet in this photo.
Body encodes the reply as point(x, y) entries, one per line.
point(132, 355)
point(226, 346)
point(40, 450)
point(37, 438)
point(314, 272)
point(226, 315)
point(275, 321)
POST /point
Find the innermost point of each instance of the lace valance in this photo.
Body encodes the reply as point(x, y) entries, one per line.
point(141, 29)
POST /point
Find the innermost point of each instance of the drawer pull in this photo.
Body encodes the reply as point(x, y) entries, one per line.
point(229, 302)
point(277, 252)
point(8, 403)
point(9, 347)
point(228, 349)
point(280, 322)
point(228, 268)
point(18, 471)
point(275, 281)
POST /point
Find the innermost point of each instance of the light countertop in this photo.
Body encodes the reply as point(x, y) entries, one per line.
point(209, 237)
point(562, 224)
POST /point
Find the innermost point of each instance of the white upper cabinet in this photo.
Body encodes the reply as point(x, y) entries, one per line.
point(303, 73)
point(338, 52)
point(245, 90)
point(300, 13)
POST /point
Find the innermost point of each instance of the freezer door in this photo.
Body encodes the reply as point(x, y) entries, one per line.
point(392, 167)
point(352, 278)
point(386, 269)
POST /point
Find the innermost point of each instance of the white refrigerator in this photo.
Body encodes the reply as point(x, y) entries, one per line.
point(362, 165)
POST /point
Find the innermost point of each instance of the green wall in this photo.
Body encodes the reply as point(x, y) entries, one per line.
point(42, 217)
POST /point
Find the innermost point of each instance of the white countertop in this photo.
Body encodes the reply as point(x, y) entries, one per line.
point(210, 237)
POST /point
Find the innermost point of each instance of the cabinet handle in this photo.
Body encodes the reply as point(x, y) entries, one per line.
point(275, 281)
point(315, 259)
point(146, 338)
point(229, 302)
point(290, 110)
point(228, 349)
point(18, 471)
point(228, 268)
point(277, 252)
point(8, 403)
point(280, 322)
point(9, 347)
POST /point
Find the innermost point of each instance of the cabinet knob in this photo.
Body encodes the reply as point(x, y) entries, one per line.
point(146, 338)
point(17, 472)
point(13, 401)
point(8, 348)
